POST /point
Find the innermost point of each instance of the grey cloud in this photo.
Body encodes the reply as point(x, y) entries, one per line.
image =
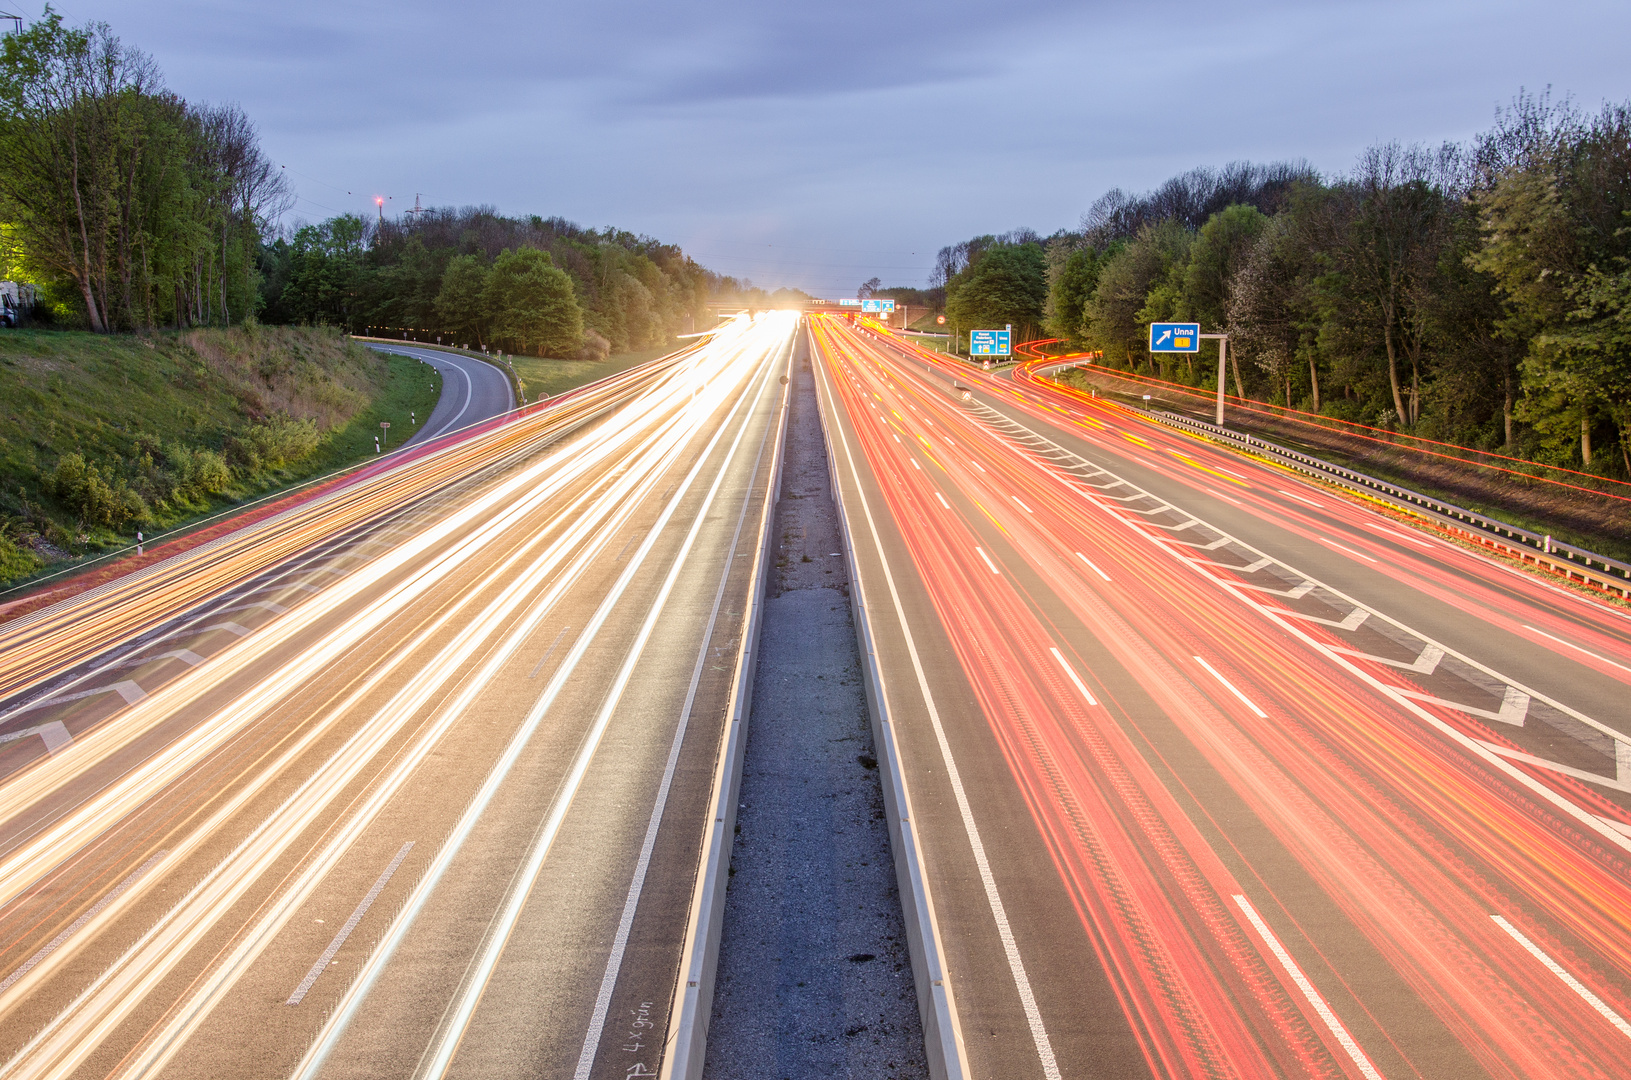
point(773, 136)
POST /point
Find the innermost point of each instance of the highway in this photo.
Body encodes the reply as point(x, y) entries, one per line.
point(472, 390)
point(410, 780)
point(1217, 772)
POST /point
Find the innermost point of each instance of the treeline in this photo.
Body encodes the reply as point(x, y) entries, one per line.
point(128, 207)
point(131, 209)
point(533, 285)
point(1476, 293)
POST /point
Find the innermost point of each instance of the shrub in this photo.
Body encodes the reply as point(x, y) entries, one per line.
point(16, 561)
point(273, 444)
point(595, 347)
point(198, 473)
point(85, 492)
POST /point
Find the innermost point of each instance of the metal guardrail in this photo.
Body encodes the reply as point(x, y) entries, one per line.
point(1576, 563)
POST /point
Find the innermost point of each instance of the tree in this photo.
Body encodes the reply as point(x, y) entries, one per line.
point(461, 304)
point(1590, 361)
point(142, 208)
point(326, 271)
point(1554, 218)
point(1383, 231)
point(1272, 318)
point(1222, 246)
point(1115, 316)
point(1073, 274)
point(531, 304)
point(1006, 285)
point(72, 134)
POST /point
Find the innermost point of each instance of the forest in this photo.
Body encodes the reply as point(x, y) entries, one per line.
point(133, 210)
point(535, 286)
point(1478, 293)
point(127, 206)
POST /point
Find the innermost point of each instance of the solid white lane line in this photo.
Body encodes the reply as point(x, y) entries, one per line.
point(1231, 688)
point(182, 927)
point(73, 927)
point(942, 499)
point(350, 924)
point(614, 962)
point(1572, 645)
point(1332, 1022)
point(1597, 1003)
point(125, 688)
point(1091, 700)
point(439, 1055)
point(186, 656)
point(55, 736)
point(999, 913)
point(988, 561)
point(187, 1016)
point(1093, 566)
point(1515, 775)
point(1346, 549)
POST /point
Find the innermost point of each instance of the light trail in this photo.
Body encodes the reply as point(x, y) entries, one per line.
point(1379, 790)
point(565, 506)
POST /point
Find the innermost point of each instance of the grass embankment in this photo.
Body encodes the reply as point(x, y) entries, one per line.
point(540, 376)
point(103, 435)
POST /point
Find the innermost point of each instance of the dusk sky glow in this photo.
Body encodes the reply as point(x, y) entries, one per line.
point(817, 145)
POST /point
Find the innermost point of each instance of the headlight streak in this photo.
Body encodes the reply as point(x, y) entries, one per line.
point(439, 1056)
point(43, 641)
point(66, 835)
point(441, 1051)
point(1434, 941)
point(688, 409)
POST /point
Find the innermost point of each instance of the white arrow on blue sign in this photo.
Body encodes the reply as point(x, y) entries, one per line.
point(1175, 337)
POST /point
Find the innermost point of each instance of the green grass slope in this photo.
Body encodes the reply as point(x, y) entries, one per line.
point(101, 436)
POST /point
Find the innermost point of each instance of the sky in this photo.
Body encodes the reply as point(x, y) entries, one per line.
point(815, 145)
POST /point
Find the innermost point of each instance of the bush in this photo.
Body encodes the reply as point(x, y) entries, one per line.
point(16, 561)
point(196, 473)
point(595, 347)
point(86, 493)
point(273, 444)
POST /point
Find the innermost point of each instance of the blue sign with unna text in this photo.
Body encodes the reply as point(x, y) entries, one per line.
point(990, 342)
point(1175, 337)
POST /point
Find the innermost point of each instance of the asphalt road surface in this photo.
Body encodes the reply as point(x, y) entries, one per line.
point(472, 390)
point(1218, 772)
point(422, 795)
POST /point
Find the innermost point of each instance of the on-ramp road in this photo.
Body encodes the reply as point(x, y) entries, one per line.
point(472, 390)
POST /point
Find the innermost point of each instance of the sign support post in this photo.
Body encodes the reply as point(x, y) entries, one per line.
point(1223, 352)
point(1186, 337)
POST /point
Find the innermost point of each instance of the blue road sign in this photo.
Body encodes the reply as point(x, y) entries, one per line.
point(878, 305)
point(1175, 337)
point(990, 342)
